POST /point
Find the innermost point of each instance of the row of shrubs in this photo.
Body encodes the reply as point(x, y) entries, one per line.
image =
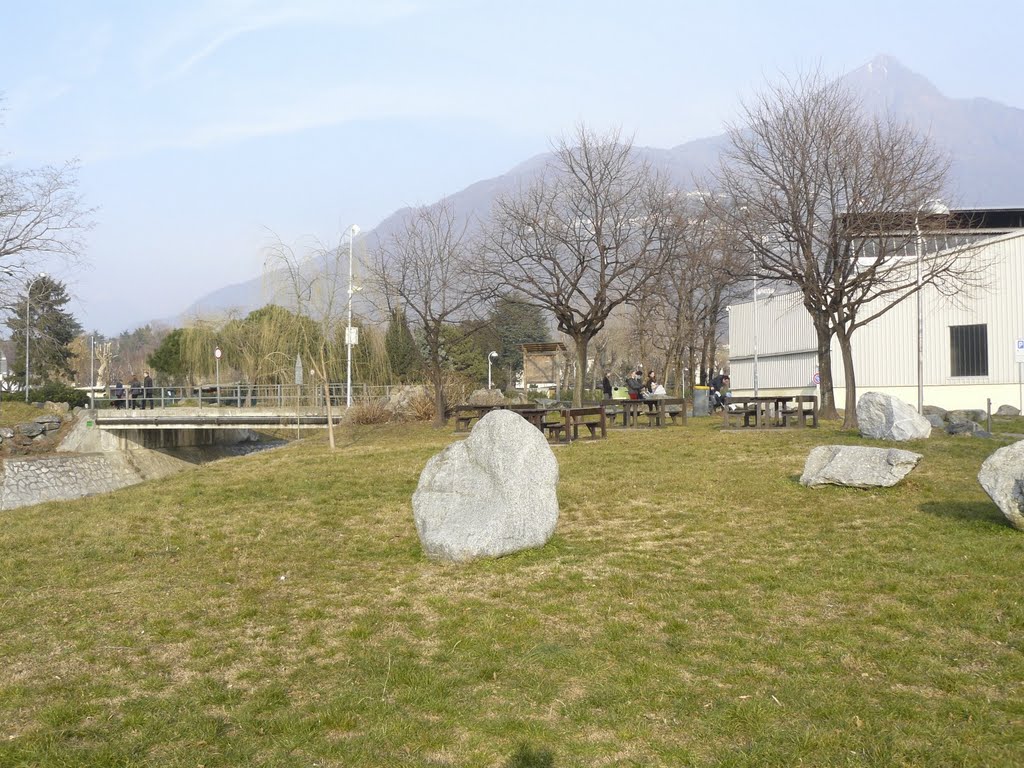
point(51, 391)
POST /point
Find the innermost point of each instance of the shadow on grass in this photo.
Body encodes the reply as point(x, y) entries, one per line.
point(971, 511)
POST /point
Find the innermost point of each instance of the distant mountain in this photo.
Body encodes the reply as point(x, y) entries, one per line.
point(985, 138)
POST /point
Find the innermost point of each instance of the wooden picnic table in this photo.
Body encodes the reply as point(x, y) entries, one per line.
point(771, 410)
point(656, 410)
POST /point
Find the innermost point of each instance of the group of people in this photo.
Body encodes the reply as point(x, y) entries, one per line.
point(136, 395)
point(639, 387)
point(643, 388)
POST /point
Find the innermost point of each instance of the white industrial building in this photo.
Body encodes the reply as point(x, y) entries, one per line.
point(972, 344)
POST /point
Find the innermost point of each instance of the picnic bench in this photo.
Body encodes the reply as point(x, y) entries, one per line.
point(465, 415)
point(567, 428)
point(657, 410)
point(771, 411)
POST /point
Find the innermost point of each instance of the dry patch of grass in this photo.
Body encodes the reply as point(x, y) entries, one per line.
point(696, 606)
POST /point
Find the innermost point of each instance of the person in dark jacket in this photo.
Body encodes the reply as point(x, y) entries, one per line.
point(720, 388)
point(635, 383)
point(147, 392)
point(606, 386)
point(135, 392)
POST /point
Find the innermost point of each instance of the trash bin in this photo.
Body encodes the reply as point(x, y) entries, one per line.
point(701, 403)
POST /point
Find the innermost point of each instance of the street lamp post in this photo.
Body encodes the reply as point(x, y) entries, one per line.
point(490, 359)
point(755, 339)
point(216, 357)
point(28, 322)
point(929, 208)
point(349, 334)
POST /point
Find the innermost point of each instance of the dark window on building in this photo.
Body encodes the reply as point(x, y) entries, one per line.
point(968, 350)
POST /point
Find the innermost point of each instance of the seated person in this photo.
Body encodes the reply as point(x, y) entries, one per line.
point(721, 386)
point(635, 383)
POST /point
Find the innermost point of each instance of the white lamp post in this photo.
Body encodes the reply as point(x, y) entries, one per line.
point(490, 359)
point(929, 208)
point(216, 356)
point(755, 339)
point(28, 322)
point(350, 336)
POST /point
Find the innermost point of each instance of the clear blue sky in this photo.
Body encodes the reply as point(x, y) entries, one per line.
point(202, 125)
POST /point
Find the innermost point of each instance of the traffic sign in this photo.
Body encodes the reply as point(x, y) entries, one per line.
point(1019, 352)
point(816, 378)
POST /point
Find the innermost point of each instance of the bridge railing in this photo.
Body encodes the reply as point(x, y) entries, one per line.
point(240, 395)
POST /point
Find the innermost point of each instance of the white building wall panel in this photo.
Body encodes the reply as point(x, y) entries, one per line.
point(885, 351)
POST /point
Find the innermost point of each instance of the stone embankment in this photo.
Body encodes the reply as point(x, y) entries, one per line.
point(33, 479)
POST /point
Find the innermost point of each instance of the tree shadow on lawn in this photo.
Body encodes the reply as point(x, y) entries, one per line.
point(970, 511)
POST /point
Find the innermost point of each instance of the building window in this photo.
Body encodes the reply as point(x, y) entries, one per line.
point(968, 350)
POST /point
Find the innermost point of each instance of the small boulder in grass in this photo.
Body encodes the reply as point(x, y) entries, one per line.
point(1002, 477)
point(857, 466)
point(489, 495)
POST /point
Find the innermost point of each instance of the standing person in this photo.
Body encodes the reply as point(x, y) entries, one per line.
point(147, 392)
point(119, 395)
point(135, 392)
point(606, 386)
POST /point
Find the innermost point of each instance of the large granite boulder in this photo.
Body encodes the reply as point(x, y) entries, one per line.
point(491, 494)
point(935, 420)
point(407, 401)
point(1002, 477)
point(486, 397)
point(964, 415)
point(1008, 410)
point(31, 429)
point(934, 410)
point(857, 466)
point(888, 418)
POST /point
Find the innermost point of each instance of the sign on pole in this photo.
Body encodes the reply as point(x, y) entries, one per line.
point(352, 336)
point(1018, 356)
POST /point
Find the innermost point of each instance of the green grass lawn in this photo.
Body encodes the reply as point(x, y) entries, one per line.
point(696, 606)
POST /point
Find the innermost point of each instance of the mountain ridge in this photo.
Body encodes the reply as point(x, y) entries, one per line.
point(986, 164)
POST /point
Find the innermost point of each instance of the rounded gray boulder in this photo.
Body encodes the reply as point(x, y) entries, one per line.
point(491, 494)
point(1002, 477)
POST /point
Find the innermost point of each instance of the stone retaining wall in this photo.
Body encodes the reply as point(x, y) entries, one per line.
point(34, 480)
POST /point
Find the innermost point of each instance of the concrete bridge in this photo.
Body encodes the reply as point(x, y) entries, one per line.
point(107, 430)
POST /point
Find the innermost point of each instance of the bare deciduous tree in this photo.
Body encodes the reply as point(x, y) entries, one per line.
point(688, 299)
point(315, 286)
point(583, 239)
point(428, 271)
point(41, 213)
point(826, 197)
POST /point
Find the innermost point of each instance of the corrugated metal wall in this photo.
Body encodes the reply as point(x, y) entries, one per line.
point(885, 351)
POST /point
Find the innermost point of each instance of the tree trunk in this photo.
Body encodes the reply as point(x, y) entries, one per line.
point(827, 406)
point(581, 371)
point(850, 412)
point(440, 401)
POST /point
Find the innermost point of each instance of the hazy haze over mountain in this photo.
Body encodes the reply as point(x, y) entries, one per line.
point(985, 139)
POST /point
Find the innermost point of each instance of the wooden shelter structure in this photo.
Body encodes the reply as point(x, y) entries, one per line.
point(542, 366)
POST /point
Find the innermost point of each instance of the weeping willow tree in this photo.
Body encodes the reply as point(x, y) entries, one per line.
point(196, 345)
point(262, 345)
point(315, 286)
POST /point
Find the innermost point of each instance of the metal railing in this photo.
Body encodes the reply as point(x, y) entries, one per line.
point(240, 395)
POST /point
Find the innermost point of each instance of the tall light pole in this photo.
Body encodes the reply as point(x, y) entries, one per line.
point(755, 339)
point(929, 208)
point(490, 359)
point(350, 336)
point(28, 322)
